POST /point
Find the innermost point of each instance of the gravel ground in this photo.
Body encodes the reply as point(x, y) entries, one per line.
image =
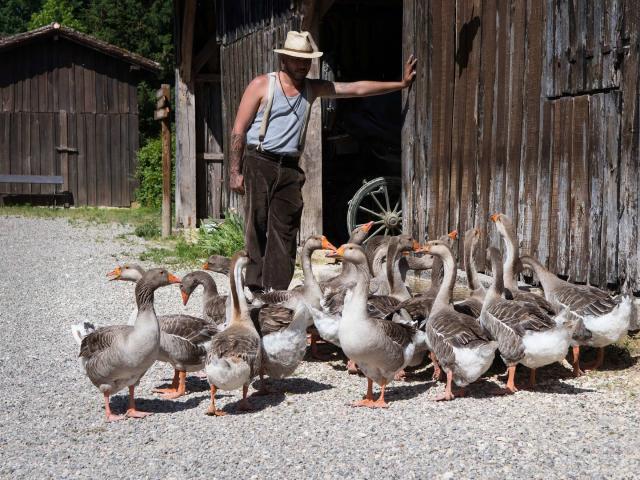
point(53, 275)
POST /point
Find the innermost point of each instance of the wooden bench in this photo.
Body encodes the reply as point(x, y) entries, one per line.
point(56, 180)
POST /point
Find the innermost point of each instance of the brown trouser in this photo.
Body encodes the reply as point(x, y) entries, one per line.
point(273, 207)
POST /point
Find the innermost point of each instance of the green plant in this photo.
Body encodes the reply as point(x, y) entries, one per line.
point(224, 238)
point(61, 11)
point(149, 173)
point(148, 230)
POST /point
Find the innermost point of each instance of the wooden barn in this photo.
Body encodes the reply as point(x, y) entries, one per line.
point(525, 107)
point(69, 107)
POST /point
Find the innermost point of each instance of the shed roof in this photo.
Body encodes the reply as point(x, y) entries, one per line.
point(81, 39)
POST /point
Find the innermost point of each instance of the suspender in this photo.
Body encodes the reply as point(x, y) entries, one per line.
point(267, 109)
point(267, 112)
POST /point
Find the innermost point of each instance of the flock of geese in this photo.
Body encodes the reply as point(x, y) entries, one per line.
point(367, 310)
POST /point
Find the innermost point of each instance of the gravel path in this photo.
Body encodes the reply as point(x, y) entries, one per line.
point(53, 275)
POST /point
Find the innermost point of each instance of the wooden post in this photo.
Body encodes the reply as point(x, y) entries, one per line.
point(162, 114)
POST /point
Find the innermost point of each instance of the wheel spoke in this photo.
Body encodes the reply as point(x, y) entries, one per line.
point(376, 232)
point(373, 195)
point(386, 231)
point(365, 209)
point(396, 207)
point(386, 197)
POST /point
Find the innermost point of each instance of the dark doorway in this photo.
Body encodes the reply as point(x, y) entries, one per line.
point(361, 40)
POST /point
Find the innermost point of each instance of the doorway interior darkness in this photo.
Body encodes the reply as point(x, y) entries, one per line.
point(361, 40)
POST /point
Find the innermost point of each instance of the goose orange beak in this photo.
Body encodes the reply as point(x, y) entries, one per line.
point(453, 235)
point(476, 231)
point(327, 245)
point(185, 297)
point(367, 226)
point(423, 249)
point(495, 217)
point(114, 274)
point(173, 279)
point(338, 253)
point(205, 266)
point(416, 246)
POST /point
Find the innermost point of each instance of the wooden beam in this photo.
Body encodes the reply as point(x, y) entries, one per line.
point(185, 153)
point(210, 157)
point(208, 77)
point(188, 23)
point(205, 54)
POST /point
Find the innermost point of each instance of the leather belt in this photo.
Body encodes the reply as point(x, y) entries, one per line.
point(287, 160)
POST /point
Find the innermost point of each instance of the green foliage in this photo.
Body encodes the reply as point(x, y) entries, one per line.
point(149, 173)
point(15, 15)
point(61, 11)
point(148, 230)
point(225, 238)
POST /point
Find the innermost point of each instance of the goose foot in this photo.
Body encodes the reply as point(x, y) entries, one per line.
point(352, 368)
point(212, 410)
point(511, 384)
point(380, 403)
point(363, 403)
point(182, 387)
point(244, 405)
point(367, 401)
point(448, 394)
point(577, 371)
point(437, 371)
point(110, 416)
point(532, 385)
point(315, 353)
point(400, 375)
point(133, 413)
point(174, 385)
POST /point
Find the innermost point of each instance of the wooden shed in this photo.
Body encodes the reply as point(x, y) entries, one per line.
point(68, 106)
point(525, 107)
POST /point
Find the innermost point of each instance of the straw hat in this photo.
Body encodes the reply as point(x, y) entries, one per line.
point(298, 44)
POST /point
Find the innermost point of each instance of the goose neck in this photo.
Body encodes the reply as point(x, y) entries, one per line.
point(445, 291)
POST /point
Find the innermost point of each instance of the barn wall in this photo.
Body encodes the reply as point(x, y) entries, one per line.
point(528, 108)
point(99, 95)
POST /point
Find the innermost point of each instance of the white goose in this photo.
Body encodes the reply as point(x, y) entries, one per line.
point(605, 319)
point(524, 332)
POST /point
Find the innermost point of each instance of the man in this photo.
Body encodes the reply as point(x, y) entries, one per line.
point(267, 172)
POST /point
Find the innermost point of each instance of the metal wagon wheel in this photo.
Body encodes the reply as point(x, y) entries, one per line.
point(380, 201)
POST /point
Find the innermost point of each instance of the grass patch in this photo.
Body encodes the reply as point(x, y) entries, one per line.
point(221, 238)
point(123, 216)
point(147, 230)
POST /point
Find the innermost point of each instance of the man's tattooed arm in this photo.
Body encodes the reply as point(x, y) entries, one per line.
point(238, 141)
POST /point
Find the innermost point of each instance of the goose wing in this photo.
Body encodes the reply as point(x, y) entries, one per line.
point(276, 296)
point(215, 309)
point(417, 307)
point(585, 300)
point(520, 316)
point(471, 307)
point(193, 329)
point(400, 333)
point(271, 318)
point(102, 338)
point(379, 306)
point(530, 297)
point(237, 342)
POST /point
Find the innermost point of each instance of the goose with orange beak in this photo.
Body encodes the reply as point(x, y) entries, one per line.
point(118, 356)
point(458, 342)
point(379, 347)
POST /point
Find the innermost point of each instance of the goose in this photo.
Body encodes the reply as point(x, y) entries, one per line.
point(283, 318)
point(379, 347)
point(117, 356)
point(524, 332)
point(512, 264)
point(472, 305)
point(604, 319)
point(234, 355)
point(457, 341)
point(217, 263)
point(214, 305)
point(183, 338)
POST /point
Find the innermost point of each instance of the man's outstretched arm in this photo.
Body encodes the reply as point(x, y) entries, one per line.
point(366, 88)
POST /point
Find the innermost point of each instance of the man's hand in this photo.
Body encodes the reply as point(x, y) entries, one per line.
point(409, 71)
point(236, 182)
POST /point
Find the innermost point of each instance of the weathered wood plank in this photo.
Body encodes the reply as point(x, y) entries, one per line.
point(531, 117)
point(597, 169)
point(127, 172)
point(612, 178)
point(103, 160)
point(80, 195)
point(115, 160)
point(185, 154)
point(91, 160)
point(579, 192)
point(134, 126)
point(556, 180)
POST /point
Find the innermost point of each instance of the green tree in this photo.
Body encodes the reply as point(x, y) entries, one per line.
point(15, 15)
point(61, 11)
